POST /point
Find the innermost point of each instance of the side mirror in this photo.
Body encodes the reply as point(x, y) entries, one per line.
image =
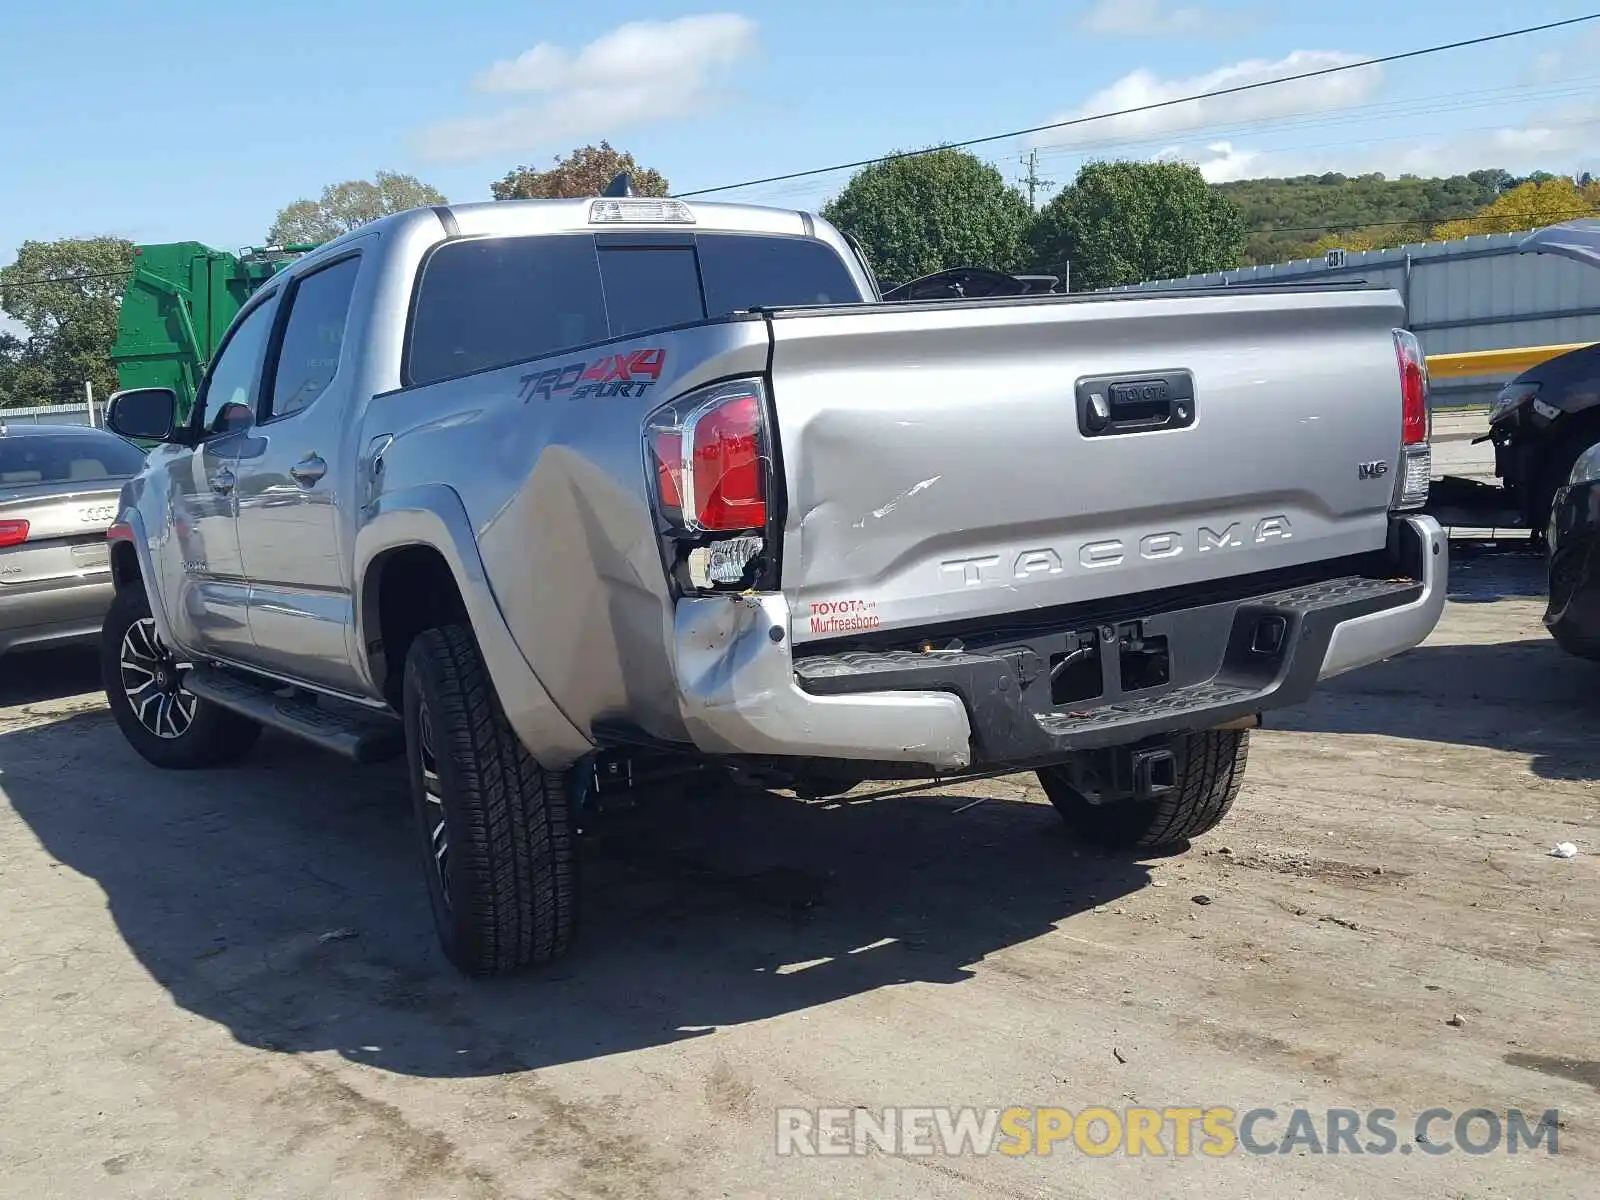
point(143, 414)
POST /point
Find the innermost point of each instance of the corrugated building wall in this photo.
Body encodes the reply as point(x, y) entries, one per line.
point(52, 414)
point(1478, 293)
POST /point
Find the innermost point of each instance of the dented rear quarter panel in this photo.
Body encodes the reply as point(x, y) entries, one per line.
point(555, 488)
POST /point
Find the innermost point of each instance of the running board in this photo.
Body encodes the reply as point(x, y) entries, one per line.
point(347, 731)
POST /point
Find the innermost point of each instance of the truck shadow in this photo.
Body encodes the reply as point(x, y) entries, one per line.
point(1483, 574)
point(283, 901)
point(34, 676)
point(1527, 696)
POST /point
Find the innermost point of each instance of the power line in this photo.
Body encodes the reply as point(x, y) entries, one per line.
point(1302, 122)
point(64, 279)
point(1144, 108)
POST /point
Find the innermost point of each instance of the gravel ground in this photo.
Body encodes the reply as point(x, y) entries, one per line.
point(224, 983)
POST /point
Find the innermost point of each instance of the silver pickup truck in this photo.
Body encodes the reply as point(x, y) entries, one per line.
point(548, 494)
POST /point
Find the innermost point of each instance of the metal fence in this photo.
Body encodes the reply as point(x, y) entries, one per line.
point(53, 414)
point(1476, 293)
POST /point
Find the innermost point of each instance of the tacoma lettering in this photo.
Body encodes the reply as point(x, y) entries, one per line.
point(1044, 561)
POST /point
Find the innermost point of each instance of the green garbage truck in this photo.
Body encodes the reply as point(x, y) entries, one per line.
point(180, 299)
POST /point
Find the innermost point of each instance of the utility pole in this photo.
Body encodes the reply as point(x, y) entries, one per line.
point(1032, 179)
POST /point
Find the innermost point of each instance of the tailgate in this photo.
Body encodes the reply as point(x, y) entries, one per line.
point(940, 467)
point(66, 537)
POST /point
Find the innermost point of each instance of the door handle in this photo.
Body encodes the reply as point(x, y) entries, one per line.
point(308, 470)
point(222, 482)
point(1112, 405)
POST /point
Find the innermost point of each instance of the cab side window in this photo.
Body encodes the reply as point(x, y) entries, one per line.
point(228, 397)
point(313, 337)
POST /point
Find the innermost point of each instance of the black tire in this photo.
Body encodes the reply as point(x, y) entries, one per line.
point(1568, 573)
point(494, 828)
point(1575, 643)
point(1210, 770)
point(163, 721)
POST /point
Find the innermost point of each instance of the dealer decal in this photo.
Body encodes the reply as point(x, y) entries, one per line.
point(844, 616)
point(629, 374)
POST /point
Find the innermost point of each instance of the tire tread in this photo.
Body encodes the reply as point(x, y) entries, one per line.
point(511, 834)
point(1212, 766)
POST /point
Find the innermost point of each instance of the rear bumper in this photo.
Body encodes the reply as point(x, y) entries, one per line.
point(55, 616)
point(742, 691)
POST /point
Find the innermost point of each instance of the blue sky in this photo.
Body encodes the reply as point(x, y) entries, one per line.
point(199, 120)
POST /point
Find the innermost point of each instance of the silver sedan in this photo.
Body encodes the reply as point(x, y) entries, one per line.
point(58, 495)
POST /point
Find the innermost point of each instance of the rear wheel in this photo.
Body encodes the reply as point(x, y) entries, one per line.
point(1209, 771)
point(1569, 603)
point(167, 724)
point(494, 828)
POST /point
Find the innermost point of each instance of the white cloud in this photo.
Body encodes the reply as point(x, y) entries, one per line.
point(639, 73)
point(1219, 162)
point(1156, 18)
point(1560, 141)
point(1143, 88)
point(1336, 123)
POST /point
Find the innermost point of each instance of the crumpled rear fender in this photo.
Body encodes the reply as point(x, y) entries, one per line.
point(433, 516)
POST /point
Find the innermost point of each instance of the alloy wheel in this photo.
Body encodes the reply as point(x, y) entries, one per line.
point(433, 805)
point(152, 679)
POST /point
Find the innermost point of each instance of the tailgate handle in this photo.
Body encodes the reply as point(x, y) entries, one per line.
point(1113, 404)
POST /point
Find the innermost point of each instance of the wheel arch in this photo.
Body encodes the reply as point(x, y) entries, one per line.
point(133, 566)
point(422, 538)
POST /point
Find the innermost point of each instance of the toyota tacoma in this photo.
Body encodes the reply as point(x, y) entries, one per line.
point(545, 495)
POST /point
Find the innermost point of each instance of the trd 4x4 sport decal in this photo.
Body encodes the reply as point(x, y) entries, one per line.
point(630, 374)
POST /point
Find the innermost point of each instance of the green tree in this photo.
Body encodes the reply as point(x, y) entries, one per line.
point(66, 295)
point(917, 215)
point(1530, 205)
point(1126, 222)
point(1287, 217)
point(584, 172)
point(349, 205)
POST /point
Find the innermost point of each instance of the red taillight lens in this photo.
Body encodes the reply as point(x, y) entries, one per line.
point(667, 450)
point(724, 471)
point(13, 533)
point(708, 460)
point(1413, 388)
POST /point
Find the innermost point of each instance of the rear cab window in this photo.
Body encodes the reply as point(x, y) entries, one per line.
point(650, 286)
point(744, 270)
point(483, 303)
point(489, 302)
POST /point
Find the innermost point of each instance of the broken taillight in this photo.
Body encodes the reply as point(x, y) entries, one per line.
point(709, 461)
point(711, 468)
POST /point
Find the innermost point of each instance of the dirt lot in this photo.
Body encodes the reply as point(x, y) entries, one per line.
point(175, 1019)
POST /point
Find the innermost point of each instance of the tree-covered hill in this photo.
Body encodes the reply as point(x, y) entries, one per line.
point(1286, 218)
